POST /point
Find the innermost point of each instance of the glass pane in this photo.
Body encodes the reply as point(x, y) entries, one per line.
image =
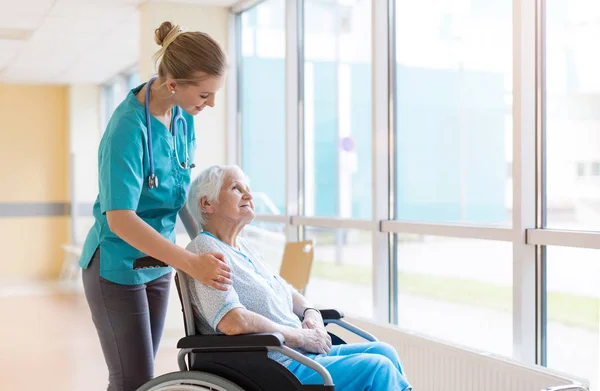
point(268, 239)
point(341, 274)
point(465, 282)
point(262, 94)
point(182, 238)
point(454, 111)
point(337, 111)
point(573, 311)
point(572, 115)
point(133, 80)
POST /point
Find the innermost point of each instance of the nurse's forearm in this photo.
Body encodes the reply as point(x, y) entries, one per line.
point(127, 225)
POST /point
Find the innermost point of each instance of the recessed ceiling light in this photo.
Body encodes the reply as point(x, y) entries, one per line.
point(15, 34)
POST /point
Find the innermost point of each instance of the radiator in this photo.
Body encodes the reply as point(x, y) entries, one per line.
point(435, 366)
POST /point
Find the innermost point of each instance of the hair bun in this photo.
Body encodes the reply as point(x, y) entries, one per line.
point(161, 33)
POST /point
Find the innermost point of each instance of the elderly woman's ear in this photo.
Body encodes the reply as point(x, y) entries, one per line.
point(206, 206)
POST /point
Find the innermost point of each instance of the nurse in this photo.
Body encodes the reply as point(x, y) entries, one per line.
point(144, 164)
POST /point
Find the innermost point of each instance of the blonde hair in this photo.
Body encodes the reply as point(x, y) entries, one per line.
point(184, 53)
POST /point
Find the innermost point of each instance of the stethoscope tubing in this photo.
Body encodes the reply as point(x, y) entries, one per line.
point(152, 179)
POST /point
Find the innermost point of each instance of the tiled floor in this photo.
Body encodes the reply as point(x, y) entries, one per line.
point(48, 342)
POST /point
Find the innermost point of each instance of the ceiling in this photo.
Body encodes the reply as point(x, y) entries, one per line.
point(71, 41)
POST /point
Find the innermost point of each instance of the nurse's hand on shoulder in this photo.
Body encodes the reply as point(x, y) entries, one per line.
point(211, 269)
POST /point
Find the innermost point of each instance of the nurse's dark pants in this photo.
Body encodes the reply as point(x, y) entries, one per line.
point(129, 320)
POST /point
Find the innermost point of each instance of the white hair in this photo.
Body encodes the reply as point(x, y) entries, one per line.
point(208, 184)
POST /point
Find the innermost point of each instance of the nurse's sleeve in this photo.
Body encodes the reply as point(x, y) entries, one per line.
point(121, 168)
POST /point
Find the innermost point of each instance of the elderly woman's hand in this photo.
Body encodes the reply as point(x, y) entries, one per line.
point(210, 269)
point(312, 320)
point(316, 340)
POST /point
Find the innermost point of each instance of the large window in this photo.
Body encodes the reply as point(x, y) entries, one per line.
point(572, 184)
point(262, 103)
point(337, 110)
point(342, 271)
point(458, 290)
point(454, 117)
point(431, 141)
point(572, 115)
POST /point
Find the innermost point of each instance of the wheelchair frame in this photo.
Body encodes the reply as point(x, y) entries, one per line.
point(239, 359)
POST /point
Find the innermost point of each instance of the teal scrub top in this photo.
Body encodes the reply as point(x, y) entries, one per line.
point(123, 168)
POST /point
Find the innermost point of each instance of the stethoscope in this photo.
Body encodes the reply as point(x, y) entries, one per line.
point(152, 178)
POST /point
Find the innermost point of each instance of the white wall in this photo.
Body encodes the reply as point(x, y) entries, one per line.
point(211, 124)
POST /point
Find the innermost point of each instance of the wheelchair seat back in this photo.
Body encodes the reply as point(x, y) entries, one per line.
point(189, 324)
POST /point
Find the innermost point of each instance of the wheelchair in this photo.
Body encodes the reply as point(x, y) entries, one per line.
point(238, 362)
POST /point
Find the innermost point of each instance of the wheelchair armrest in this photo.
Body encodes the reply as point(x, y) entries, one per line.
point(331, 314)
point(242, 341)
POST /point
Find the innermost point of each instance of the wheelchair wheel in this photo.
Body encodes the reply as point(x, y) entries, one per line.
point(189, 381)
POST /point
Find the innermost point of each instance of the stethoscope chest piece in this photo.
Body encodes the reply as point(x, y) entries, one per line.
point(152, 181)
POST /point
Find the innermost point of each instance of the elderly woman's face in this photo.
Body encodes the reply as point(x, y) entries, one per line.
point(235, 199)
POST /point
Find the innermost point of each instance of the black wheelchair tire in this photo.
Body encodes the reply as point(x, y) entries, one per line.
point(191, 380)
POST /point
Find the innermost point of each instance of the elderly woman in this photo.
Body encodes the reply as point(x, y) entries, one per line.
point(261, 301)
